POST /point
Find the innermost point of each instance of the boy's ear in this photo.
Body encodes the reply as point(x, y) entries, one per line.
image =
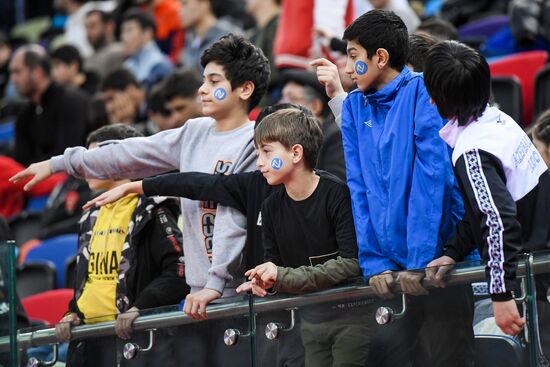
point(297, 153)
point(246, 90)
point(383, 57)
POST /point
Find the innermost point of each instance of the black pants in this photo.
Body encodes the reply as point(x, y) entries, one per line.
point(543, 309)
point(435, 331)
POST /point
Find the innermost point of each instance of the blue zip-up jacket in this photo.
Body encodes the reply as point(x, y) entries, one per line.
point(404, 194)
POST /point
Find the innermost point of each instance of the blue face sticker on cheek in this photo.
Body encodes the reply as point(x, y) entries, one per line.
point(360, 67)
point(220, 94)
point(276, 163)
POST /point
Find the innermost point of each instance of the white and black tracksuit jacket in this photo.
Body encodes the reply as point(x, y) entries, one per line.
point(505, 185)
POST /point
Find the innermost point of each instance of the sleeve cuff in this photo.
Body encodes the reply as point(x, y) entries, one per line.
point(502, 297)
point(215, 283)
point(453, 254)
point(335, 105)
point(148, 187)
point(57, 164)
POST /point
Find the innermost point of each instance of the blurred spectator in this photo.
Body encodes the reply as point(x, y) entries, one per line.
point(459, 12)
point(54, 118)
point(402, 9)
point(125, 101)
point(181, 97)
point(75, 31)
point(5, 54)
point(145, 59)
point(294, 44)
point(530, 19)
point(302, 88)
point(439, 28)
point(419, 44)
point(159, 116)
point(203, 28)
point(107, 55)
point(67, 70)
point(97, 114)
point(170, 34)
point(541, 136)
point(266, 14)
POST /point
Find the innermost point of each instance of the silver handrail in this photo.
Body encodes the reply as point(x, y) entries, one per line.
point(541, 264)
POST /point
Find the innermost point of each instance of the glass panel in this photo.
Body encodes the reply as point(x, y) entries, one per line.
point(9, 303)
point(539, 309)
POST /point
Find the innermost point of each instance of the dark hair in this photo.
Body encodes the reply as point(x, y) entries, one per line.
point(419, 44)
point(119, 79)
point(381, 29)
point(183, 83)
point(541, 129)
point(458, 79)
point(112, 132)
point(156, 99)
point(67, 54)
point(289, 127)
point(268, 110)
point(242, 62)
point(34, 56)
point(105, 16)
point(439, 28)
point(144, 19)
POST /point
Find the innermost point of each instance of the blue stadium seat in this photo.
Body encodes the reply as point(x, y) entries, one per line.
point(58, 250)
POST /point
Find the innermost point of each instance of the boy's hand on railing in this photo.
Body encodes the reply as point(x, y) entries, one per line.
point(38, 171)
point(411, 283)
point(327, 74)
point(63, 328)
point(263, 275)
point(255, 288)
point(507, 317)
point(382, 283)
point(115, 194)
point(124, 323)
point(195, 303)
point(437, 269)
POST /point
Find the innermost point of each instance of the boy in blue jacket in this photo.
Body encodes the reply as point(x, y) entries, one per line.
point(404, 194)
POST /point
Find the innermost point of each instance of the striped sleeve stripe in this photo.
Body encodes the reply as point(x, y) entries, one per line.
point(487, 206)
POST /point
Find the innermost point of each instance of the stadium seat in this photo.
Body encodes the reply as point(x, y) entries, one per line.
point(24, 227)
point(507, 94)
point(70, 272)
point(485, 27)
point(34, 278)
point(542, 90)
point(48, 306)
point(57, 250)
point(524, 66)
point(497, 351)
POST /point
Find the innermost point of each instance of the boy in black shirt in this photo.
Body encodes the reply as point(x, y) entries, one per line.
point(308, 223)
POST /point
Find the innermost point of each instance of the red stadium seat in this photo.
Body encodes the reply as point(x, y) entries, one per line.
point(525, 66)
point(48, 306)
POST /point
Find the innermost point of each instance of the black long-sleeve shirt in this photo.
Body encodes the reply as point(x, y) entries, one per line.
point(242, 191)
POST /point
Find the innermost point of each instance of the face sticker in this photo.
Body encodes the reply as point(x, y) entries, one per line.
point(360, 67)
point(220, 94)
point(276, 163)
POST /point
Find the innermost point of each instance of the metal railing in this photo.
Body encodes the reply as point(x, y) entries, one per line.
point(541, 264)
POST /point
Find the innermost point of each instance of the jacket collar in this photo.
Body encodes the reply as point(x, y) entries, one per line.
point(387, 94)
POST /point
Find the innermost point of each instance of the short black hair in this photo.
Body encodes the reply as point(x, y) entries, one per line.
point(458, 79)
point(541, 128)
point(67, 54)
point(381, 29)
point(104, 15)
point(34, 56)
point(119, 79)
point(419, 44)
point(112, 132)
point(441, 29)
point(289, 127)
point(155, 100)
point(182, 83)
point(242, 62)
point(144, 19)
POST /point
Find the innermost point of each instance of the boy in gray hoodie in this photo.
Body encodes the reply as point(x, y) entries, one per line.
point(235, 78)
